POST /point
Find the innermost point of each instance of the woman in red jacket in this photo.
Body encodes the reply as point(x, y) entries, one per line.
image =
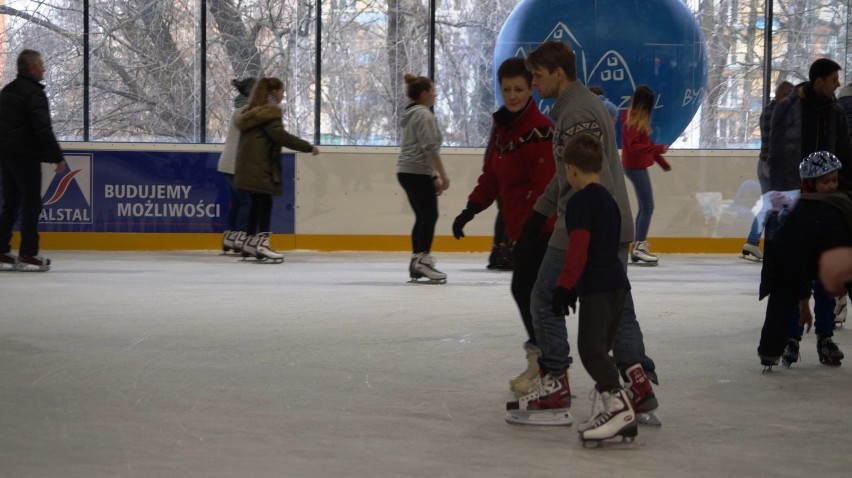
point(638, 153)
point(518, 167)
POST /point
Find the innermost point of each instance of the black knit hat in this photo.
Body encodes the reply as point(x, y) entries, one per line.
point(244, 86)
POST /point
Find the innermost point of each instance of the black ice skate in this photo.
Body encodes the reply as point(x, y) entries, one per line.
point(791, 352)
point(829, 353)
point(422, 266)
point(768, 362)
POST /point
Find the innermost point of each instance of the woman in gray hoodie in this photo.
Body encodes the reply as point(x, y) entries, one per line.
point(421, 173)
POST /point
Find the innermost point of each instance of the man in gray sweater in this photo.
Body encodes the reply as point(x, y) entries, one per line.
point(576, 110)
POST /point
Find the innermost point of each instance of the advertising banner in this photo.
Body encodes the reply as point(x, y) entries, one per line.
point(148, 191)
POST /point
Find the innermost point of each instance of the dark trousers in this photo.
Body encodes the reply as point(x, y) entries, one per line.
point(599, 315)
point(527, 261)
point(240, 206)
point(260, 213)
point(780, 306)
point(21, 184)
point(420, 190)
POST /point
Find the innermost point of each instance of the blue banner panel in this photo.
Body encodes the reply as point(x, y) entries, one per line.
point(148, 191)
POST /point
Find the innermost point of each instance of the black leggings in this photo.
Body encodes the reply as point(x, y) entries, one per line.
point(421, 195)
point(260, 214)
point(524, 273)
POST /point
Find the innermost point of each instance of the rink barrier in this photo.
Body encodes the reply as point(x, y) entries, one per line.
point(288, 242)
point(170, 197)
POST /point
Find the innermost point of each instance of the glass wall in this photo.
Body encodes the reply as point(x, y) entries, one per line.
point(145, 59)
point(367, 48)
point(56, 30)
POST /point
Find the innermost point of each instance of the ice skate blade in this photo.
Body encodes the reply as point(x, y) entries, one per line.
point(610, 442)
point(265, 260)
point(425, 281)
point(641, 263)
point(751, 258)
point(625, 436)
point(31, 268)
point(648, 419)
point(830, 363)
point(558, 417)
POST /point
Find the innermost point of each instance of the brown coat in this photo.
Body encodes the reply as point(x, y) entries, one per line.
point(259, 152)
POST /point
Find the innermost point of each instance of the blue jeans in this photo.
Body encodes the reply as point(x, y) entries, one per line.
point(645, 197)
point(552, 334)
point(763, 178)
point(240, 206)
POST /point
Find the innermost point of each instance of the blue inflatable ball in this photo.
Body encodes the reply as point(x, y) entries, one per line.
point(620, 45)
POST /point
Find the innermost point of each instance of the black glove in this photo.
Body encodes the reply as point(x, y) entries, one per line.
point(564, 301)
point(465, 217)
point(530, 230)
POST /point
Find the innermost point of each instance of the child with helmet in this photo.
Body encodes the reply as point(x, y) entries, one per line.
point(820, 220)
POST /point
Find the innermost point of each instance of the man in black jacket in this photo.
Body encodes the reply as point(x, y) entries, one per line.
point(26, 141)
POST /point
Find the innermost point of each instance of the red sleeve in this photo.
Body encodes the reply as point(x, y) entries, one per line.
point(639, 142)
point(662, 162)
point(575, 258)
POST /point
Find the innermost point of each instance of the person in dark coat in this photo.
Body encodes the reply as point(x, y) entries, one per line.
point(26, 141)
point(258, 168)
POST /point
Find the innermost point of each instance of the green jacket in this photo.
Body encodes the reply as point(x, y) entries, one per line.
point(262, 136)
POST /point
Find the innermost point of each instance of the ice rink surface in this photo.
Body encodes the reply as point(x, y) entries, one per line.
point(192, 364)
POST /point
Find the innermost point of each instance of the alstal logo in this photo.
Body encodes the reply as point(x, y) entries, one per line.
point(67, 196)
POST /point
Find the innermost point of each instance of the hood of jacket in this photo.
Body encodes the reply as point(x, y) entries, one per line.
point(844, 91)
point(410, 111)
point(252, 117)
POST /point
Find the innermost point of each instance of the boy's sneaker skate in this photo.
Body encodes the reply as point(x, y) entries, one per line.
point(33, 264)
point(829, 353)
point(840, 310)
point(422, 266)
point(547, 406)
point(528, 380)
point(752, 252)
point(615, 419)
point(8, 261)
point(265, 252)
point(791, 352)
point(249, 248)
point(640, 254)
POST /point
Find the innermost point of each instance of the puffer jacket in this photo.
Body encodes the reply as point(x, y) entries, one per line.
point(262, 136)
point(25, 129)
